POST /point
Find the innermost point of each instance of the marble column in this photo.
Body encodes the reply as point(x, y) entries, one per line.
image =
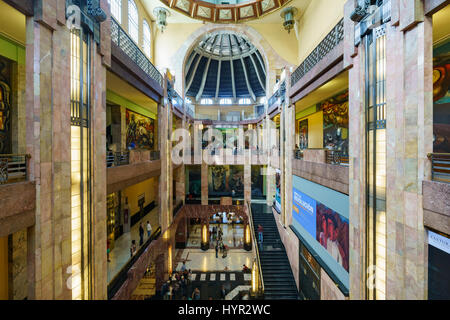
point(204, 183)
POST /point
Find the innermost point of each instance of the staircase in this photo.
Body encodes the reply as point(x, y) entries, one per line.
point(279, 282)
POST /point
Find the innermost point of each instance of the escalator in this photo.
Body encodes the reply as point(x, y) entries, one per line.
point(279, 282)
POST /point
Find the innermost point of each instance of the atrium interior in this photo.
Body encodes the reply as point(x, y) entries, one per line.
point(224, 150)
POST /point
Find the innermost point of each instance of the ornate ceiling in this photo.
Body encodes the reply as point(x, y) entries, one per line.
point(225, 11)
point(225, 65)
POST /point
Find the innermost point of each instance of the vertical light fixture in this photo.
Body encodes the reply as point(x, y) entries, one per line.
point(375, 56)
point(205, 238)
point(80, 164)
point(169, 261)
point(247, 238)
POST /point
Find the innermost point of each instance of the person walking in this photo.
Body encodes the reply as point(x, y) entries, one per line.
point(217, 249)
point(141, 235)
point(133, 248)
point(223, 293)
point(260, 233)
point(149, 229)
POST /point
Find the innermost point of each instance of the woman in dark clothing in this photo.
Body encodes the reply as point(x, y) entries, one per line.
point(141, 235)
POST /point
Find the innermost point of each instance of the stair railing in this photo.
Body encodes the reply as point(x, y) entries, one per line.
point(257, 261)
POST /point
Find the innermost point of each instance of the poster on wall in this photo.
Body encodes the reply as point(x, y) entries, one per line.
point(441, 98)
point(328, 227)
point(140, 131)
point(335, 123)
point(278, 190)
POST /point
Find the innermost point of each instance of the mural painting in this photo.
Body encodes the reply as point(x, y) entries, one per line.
point(140, 131)
point(335, 123)
point(441, 98)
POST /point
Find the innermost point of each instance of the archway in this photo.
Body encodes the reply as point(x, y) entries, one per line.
point(272, 60)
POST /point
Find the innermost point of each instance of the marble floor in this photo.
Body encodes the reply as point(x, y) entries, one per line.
point(120, 255)
point(206, 261)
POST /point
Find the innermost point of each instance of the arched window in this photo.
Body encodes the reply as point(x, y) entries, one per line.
point(133, 21)
point(245, 101)
point(116, 9)
point(226, 101)
point(147, 39)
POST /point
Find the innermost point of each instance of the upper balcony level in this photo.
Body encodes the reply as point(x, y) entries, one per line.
point(17, 194)
point(126, 168)
point(131, 64)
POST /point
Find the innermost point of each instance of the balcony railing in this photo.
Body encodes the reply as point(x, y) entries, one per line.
point(336, 157)
point(122, 276)
point(280, 94)
point(13, 168)
point(174, 97)
point(440, 166)
point(329, 43)
point(127, 45)
point(298, 154)
point(155, 155)
point(116, 159)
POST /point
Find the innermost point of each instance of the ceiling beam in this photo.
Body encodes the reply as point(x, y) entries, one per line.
point(202, 86)
point(233, 85)
point(246, 80)
point(257, 73)
point(219, 67)
point(262, 64)
point(193, 73)
point(188, 65)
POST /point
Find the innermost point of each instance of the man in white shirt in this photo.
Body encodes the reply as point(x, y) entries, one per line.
point(149, 229)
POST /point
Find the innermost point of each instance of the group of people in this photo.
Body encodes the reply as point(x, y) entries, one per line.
point(228, 218)
point(133, 248)
point(217, 237)
point(177, 286)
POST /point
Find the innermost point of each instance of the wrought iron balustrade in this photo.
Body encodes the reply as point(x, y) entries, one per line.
point(336, 157)
point(279, 94)
point(155, 155)
point(127, 45)
point(13, 168)
point(116, 159)
point(325, 46)
point(440, 166)
point(298, 154)
point(174, 97)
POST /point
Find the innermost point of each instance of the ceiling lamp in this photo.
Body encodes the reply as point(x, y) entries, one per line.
point(288, 14)
point(161, 16)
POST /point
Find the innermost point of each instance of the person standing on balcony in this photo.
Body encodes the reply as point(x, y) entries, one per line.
point(149, 229)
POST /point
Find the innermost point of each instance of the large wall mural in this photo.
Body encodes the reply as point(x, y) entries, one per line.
point(335, 123)
point(257, 182)
point(140, 131)
point(441, 98)
point(5, 106)
point(226, 181)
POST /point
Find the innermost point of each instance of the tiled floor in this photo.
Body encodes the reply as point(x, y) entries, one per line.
point(120, 255)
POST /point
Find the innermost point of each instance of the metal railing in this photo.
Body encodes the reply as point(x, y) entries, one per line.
point(440, 166)
point(328, 43)
point(122, 276)
point(155, 155)
point(127, 45)
point(298, 154)
point(280, 94)
point(13, 168)
point(336, 157)
point(116, 159)
point(257, 259)
point(174, 97)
